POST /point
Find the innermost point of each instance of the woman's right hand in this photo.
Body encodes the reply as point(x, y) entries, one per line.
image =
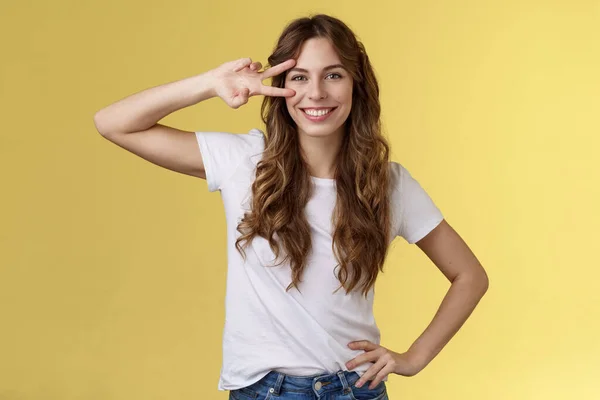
point(236, 81)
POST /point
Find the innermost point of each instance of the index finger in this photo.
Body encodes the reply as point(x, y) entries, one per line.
point(277, 92)
point(279, 68)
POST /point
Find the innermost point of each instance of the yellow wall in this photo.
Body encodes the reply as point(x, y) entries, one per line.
point(113, 269)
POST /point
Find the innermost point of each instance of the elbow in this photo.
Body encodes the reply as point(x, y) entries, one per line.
point(485, 285)
point(100, 124)
point(97, 122)
point(477, 281)
point(482, 282)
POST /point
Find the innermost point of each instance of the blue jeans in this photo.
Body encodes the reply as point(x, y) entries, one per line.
point(336, 386)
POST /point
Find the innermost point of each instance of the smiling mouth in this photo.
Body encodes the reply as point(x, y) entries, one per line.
point(319, 112)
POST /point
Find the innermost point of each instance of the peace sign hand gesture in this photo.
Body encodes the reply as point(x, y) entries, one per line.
point(236, 81)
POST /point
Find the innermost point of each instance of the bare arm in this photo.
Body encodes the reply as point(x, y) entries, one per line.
point(144, 109)
point(448, 251)
point(132, 122)
point(456, 261)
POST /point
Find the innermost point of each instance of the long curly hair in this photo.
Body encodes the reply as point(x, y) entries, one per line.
point(282, 188)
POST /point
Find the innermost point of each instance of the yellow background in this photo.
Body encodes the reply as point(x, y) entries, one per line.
point(113, 270)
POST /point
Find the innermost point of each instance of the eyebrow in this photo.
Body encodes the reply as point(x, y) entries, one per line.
point(324, 69)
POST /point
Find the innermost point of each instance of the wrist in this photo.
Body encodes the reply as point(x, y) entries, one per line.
point(418, 358)
point(206, 85)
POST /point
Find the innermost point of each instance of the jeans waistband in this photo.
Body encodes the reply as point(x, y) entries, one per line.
point(321, 383)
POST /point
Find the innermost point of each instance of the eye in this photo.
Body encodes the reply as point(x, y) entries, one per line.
point(302, 76)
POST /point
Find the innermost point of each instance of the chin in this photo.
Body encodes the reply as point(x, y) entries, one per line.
point(318, 131)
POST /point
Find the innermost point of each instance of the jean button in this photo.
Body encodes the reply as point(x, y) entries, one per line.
point(318, 386)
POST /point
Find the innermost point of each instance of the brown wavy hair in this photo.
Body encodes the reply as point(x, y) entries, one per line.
point(283, 186)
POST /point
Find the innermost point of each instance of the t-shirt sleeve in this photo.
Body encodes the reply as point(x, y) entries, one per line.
point(223, 152)
point(419, 214)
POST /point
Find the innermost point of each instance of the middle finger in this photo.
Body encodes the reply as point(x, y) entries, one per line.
point(370, 373)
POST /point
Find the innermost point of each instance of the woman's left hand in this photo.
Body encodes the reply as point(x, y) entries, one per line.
point(384, 362)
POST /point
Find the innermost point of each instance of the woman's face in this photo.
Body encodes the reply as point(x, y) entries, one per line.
point(323, 89)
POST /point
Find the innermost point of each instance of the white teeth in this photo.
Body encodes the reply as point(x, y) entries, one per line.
point(317, 113)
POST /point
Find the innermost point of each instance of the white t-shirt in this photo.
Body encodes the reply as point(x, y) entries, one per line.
point(302, 332)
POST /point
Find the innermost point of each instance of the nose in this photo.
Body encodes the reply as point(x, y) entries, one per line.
point(316, 90)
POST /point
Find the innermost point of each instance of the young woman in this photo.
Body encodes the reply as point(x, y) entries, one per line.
point(311, 205)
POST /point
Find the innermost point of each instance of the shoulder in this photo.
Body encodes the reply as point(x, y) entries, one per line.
point(401, 177)
point(255, 142)
point(397, 174)
point(396, 168)
point(223, 153)
point(229, 146)
point(255, 136)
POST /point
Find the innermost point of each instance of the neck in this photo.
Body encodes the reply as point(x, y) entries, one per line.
point(320, 152)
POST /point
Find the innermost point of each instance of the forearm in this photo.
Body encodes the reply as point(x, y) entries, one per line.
point(458, 304)
point(144, 109)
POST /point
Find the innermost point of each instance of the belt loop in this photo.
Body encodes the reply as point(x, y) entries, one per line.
point(278, 383)
point(342, 377)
